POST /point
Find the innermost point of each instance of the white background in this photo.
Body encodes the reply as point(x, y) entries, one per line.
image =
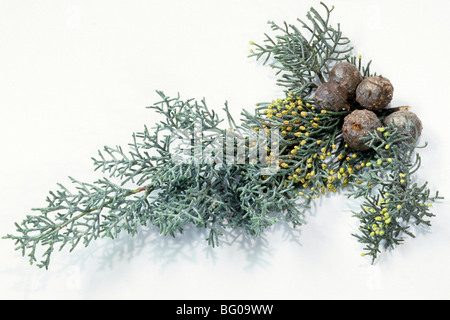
point(77, 75)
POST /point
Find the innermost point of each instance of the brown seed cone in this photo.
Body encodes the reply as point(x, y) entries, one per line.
point(330, 96)
point(374, 93)
point(348, 76)
point(357, 126)
point(407, 121)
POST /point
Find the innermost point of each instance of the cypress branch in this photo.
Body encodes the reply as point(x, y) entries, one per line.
point(188, 170)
